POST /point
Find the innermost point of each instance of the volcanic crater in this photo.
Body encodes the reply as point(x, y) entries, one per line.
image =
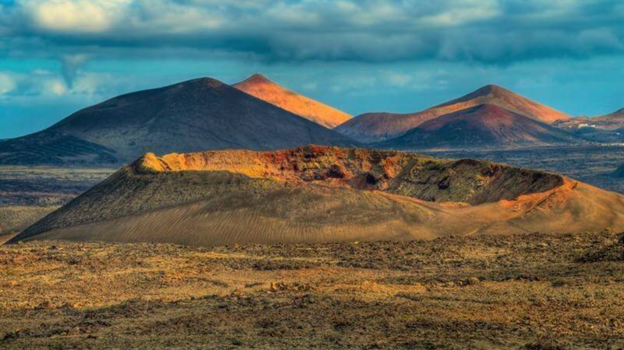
point(320, 194)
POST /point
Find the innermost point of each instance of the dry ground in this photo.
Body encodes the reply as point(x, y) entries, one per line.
point(517, 292)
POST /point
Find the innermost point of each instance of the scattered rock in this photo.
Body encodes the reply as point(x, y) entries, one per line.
point(470, 281)
point(46, 305)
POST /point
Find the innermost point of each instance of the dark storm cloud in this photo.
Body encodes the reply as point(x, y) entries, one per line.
point(484, 31)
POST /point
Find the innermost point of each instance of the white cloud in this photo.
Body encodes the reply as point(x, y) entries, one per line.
point(7, 83)
point(55, 87)
point(459, 12)
point(164, 16)
point(74, 16)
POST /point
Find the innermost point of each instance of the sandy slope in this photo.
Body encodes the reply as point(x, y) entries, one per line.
point(321, 194)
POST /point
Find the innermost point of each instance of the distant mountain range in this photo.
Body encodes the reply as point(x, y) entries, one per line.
point(195, 115)
point(606, 128)
point(258, 114)
point(614, 120)
point(484, 125)
point(376, 127)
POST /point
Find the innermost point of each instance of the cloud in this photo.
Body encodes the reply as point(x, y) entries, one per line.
point(7, 83)
point(39, 84)
point(461, 12)
point(55, 87)
point(71, 64)
point(74, 16)
point(481, 31)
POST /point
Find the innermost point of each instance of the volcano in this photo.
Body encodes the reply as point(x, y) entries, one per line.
point(317, 194)
point(481, 127)
point(195, 115)
point(375, 127)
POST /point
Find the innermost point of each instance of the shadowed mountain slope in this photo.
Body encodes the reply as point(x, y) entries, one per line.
point(374, 127)
point(323, 194)
point(54, 148)
point(478, 127)
point(191, 116)
point(266, 90)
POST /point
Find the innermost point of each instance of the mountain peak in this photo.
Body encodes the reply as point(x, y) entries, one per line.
point(490, 90)
point(487, 92)
point(257, 79)
point(199, 82)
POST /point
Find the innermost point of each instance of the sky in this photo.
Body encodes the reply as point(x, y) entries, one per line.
point(57, 56)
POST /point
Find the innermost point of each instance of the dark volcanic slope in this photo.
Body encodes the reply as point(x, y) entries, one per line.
point(374, 127)
point(53, 148)
point(322, 194)
point(191, 116)
point(480, 126)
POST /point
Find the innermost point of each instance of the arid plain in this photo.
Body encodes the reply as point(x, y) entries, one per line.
point(516, 292)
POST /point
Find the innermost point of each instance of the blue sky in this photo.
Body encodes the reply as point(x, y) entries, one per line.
point(57, 56)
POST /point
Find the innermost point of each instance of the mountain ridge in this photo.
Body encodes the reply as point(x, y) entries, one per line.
point(480, 126)
point(376, 127)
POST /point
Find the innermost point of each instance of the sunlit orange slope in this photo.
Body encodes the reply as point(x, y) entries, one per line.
point(374, 127)
point(264, 89)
